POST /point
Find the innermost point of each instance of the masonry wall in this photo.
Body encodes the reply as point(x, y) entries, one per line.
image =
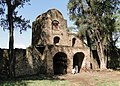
point(70, 52)
point(50, 25)
point(27, 62)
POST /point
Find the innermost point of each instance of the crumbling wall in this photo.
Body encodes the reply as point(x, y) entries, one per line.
point(4, 63)
point(37, 61)
point(21, 63)
point(70, 52)
point(30, 62)
point(50, 25)
point(27, 62)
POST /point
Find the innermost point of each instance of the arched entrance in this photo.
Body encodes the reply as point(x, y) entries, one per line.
point(60, 63)
point(77, 60)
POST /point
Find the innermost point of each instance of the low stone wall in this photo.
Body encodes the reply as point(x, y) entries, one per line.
point(27, 62)
point(39, 59)
point(4, 63)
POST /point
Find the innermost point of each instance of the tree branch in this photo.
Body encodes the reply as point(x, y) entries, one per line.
point(16, 3)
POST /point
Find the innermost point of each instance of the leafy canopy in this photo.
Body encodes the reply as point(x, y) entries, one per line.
point(12, 5)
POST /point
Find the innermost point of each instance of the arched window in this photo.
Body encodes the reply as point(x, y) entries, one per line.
point(55, 24)
point(56, 39)
point(73, 41)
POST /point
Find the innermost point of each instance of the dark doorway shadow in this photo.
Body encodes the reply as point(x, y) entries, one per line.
point(60, 63)
point(77, 60)
point(96, 57)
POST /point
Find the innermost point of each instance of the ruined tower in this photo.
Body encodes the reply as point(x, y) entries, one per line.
point(61, 49)
point(50, 28)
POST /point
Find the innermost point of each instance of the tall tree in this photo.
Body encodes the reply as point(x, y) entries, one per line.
point(95, 17)
point(9, 20)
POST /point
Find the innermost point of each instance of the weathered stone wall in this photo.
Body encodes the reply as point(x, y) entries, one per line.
point(30, 62)
point(70, 52)
point(37, 60)
point(50, 30)
point(49, 39)
point(27, 62)
point(4, 63)
point(50, 25)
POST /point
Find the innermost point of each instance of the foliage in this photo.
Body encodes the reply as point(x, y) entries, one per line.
point(93, 14)
point(10, 20)
point(95, 19)
point(18, 20)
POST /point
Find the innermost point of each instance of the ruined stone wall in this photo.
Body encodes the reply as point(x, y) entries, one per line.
point(70, 52)
point(4, 63)
point(50, 25)
point(75, 41)
point(49, 38)
point(27, 62)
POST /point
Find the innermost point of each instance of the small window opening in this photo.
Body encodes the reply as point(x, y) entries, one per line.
point(73, 41)
point(56, 39)
point(55, 23)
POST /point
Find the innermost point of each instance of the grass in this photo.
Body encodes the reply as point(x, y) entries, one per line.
point(109, 83)
point(55, 83)
point(36, 83)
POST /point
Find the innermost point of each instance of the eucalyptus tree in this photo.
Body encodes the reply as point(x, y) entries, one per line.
point(10, 20)
point(95, 19)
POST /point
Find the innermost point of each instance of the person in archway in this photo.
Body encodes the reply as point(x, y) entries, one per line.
point(76, 68)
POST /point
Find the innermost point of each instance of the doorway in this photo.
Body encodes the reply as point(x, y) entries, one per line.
point(78, 60)
point(60, 63)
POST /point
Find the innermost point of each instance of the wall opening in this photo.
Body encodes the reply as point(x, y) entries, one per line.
point(96, 57)
point(78, 60)
point(41, 49)
point(60, 63)
point(56, 39)
point(73, 41)
point(55, 24)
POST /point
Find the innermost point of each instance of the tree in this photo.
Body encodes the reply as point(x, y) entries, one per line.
point(9, 20)
point(95, 17)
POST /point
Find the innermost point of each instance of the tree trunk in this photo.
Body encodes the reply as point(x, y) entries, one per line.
point(102, 57)
point(100, 50)
point(11, 54)
point(11, 41)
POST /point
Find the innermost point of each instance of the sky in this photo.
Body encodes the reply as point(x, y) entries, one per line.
point(30, 12)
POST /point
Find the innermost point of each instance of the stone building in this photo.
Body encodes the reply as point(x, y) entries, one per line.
point(61, 49)
point(53, 51)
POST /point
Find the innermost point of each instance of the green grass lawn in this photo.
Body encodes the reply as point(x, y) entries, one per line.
point(55, 83)
point(36, 83)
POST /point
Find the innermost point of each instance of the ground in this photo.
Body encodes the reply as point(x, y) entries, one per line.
point(94, 78)
point(89, 78)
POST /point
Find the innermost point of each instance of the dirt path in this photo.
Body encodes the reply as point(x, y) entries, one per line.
point(102, 78)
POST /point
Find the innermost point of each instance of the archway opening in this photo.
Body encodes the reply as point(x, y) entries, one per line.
point(60, 63)
point(56, 39)
point(77, 60)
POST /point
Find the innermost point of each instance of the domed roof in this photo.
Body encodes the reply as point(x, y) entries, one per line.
point(53, 13)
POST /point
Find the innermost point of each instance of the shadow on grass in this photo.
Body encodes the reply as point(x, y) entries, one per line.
point(26, 80)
